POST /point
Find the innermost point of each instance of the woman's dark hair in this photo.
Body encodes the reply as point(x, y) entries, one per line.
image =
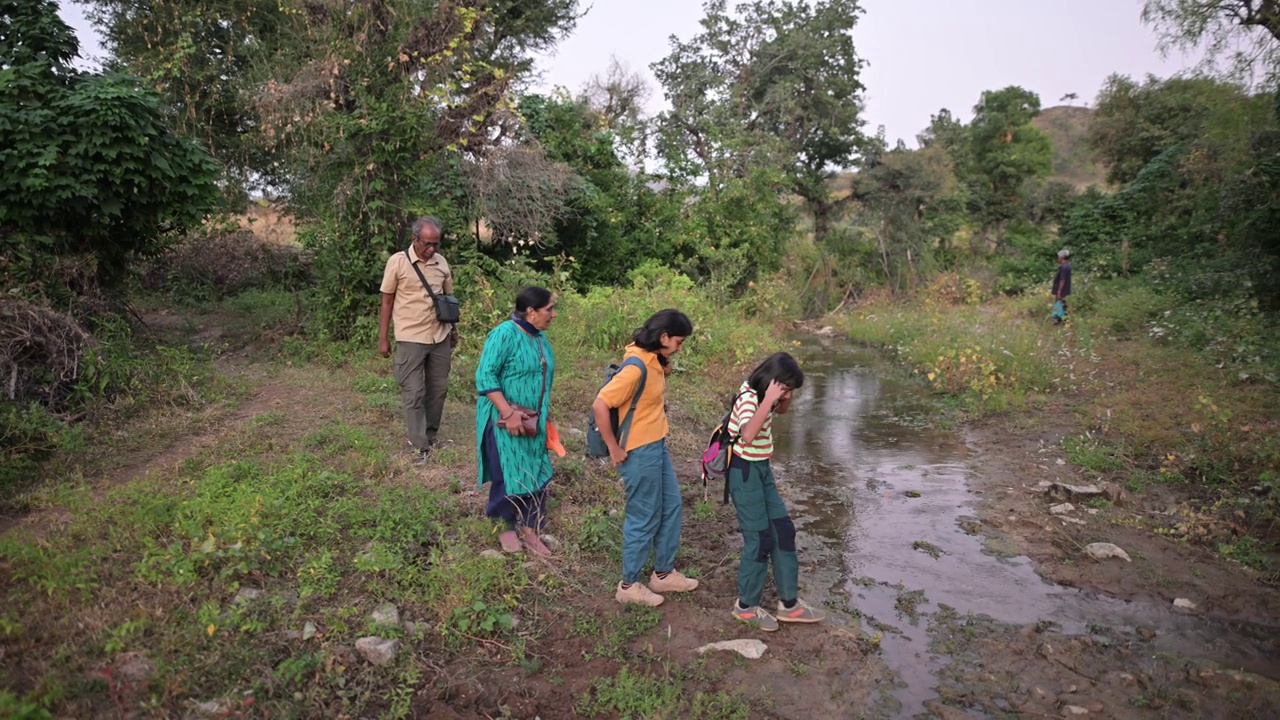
point(672, 322)
point(532, 298)
point(778, 366)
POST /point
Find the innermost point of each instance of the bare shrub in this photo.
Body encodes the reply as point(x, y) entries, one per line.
point(520, 192)
point(41, 351)
point(226, 263)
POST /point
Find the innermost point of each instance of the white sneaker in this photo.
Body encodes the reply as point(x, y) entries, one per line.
point(673, 582)
point(637, 594)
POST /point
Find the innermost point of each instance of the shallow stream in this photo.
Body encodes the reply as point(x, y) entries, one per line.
point(877, 493)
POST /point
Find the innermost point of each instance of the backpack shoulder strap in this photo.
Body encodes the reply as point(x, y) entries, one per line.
point(625, 424)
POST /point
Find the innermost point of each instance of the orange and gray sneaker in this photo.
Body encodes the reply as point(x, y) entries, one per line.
point(637, 594)
point(755, 615)
point(673, 582)
point(803, 612)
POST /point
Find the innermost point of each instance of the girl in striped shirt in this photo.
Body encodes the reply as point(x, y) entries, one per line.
point(768, 533)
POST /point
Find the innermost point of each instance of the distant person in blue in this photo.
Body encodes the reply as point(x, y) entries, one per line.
point(1062, 285)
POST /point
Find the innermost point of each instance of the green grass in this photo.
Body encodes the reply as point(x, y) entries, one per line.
point(635, 696)
point(992, 358)
point(319, 513)
point(1094, 456)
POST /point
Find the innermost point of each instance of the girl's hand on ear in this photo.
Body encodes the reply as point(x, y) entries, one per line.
point(773, 393)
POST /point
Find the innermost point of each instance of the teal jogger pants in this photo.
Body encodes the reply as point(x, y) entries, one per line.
point(768, 535)
point(653, 510)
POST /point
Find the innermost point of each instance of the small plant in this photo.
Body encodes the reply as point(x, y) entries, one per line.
point(120, 636)
point(928, 548)
point(1247, 551)
point(480, 618)
point(630, 697)
point(1091, 455)
point(318, 575)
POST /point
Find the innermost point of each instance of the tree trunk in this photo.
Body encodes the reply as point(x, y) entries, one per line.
point(821, 211)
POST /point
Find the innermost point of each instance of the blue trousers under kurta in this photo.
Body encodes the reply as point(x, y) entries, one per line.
point(523, 509)
point(653, 511)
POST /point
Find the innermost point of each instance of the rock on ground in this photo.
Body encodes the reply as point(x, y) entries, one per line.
point(747, 648)
point(1102, 551)
point(379, 651)
point(386, 615)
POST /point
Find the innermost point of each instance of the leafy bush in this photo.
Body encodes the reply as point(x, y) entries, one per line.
point(89, 167)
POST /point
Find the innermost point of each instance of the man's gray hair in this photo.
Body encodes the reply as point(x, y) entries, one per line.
point(424, 221)
point(1064, 253)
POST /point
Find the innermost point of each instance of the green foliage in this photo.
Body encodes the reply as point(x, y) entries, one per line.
point(19, 707)
point(1202, 190)
point(1134, 123)
point(615, 220)
point(630, 697)
point(1092, 455)
point(244, 521)
point(88, 167)
point(765, 99)
point(911, 204)
point(1243, 33)
point(369, 115)
point(605, 319)
point(988, 366)
point(116, 374)
point(201, 56)
point(1006, 151)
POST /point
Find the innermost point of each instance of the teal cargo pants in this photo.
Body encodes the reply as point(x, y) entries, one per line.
point(653, 510)
point(768, 535)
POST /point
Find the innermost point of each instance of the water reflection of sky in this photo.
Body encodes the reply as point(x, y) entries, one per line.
point(848, 453)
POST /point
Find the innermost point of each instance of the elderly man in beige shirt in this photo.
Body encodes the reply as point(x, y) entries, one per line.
point(424, 345)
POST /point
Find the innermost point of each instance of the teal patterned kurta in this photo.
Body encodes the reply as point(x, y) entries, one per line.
point(512, 362)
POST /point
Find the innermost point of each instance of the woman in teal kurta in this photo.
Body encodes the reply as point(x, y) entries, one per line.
point(514, 379)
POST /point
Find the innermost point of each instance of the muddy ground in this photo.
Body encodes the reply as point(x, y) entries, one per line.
point(974, 666)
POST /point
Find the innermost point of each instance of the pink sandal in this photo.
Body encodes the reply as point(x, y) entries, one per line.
point(533, 542)
point(510, 541)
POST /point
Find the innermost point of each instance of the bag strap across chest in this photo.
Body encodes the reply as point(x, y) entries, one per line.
point(421, 277)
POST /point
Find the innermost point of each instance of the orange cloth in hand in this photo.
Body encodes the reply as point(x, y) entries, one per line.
point(553, 439)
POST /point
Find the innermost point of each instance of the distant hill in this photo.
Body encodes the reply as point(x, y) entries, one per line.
point(1068, 129)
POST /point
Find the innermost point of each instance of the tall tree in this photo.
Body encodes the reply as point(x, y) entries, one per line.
point(1245, 33)
point(1134, 123)
point(1006, 152)
point(205, 59)
point(365, 112)
point(613, 220)
point(618, 98)
point(91, 175)
point(909, 204)
point(775, 81)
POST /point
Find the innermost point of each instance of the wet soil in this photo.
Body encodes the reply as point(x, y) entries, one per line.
point(945, 544)
point(953, 591)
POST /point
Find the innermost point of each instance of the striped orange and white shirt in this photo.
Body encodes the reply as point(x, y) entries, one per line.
point(744, 408)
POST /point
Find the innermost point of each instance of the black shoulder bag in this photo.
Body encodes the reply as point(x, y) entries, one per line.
point(446, 305)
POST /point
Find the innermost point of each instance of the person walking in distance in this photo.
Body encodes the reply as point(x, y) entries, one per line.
point(1062, 283)
point(424, 345)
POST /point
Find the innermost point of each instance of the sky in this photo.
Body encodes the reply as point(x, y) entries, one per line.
point(922, 55)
